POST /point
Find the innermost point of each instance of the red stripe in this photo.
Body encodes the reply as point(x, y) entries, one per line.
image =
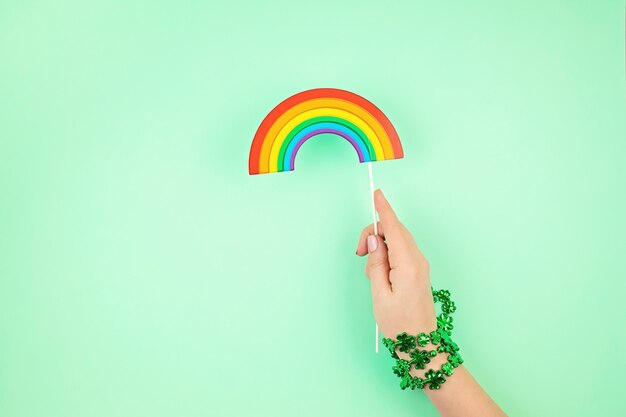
point(266, 124)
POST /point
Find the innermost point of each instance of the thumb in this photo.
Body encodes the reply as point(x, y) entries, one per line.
point(377, 266)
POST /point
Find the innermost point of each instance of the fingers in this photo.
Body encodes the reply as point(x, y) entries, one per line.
point(388, 218)
point(399, 241)
point(377, 267)
point(361, 248)
point(402, 247)
point(403, 252)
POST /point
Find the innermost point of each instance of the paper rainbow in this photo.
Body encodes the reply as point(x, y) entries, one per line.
point(314, 112)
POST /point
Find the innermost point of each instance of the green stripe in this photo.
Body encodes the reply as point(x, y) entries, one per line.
point(309, 122)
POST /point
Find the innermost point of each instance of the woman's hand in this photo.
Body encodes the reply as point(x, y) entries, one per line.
point(403, 302)
point(399, 275)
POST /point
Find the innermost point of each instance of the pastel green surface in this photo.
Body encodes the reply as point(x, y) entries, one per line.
point(143, 272)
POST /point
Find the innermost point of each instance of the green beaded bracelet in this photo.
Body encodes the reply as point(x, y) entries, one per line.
point(410, 344)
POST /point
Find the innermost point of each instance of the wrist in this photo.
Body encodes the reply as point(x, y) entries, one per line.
point(427, 359)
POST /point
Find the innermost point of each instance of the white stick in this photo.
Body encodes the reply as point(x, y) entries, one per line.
point(369, 167)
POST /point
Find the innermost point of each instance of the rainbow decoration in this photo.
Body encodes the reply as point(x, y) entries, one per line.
point(314, 112)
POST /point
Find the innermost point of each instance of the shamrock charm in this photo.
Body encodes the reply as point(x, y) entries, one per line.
point(417, 383)
point(448, 307)
point(401, 368)
point(435, 379)
point(435, 337)
point(455, 360)
point(444, 322)
point(443, 295)
point(391, 345)
point(405, 342)
point(422, 339)
point(447, 369)
point(419, 358)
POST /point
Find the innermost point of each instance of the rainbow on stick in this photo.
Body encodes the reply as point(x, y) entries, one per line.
point(318, 111)
point(315, 112)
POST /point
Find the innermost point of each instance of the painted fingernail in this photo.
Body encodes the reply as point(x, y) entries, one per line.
point(372, 243)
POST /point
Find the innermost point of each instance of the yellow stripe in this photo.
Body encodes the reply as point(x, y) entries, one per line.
point(324, 111)
point(277, 133)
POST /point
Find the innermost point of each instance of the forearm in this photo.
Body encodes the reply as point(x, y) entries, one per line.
point(461, 395)
point(404, 306)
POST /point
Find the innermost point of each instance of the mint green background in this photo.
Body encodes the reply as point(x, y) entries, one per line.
point(144, 273)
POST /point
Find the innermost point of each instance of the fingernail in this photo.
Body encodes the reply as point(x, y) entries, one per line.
point(372, 243)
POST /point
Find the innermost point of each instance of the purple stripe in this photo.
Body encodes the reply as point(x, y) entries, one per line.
point(292, 160)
